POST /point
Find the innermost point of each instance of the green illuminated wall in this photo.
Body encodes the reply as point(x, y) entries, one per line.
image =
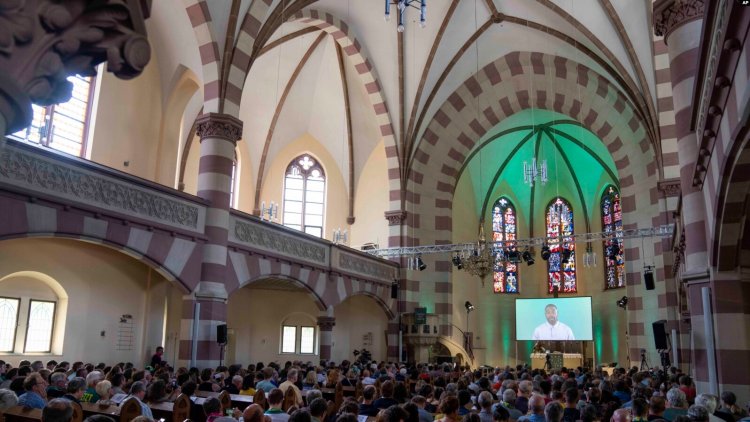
point(579, 169)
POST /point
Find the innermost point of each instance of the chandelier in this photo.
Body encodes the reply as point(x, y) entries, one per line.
point(402, 5)
point(481, 260)
point(532, 173)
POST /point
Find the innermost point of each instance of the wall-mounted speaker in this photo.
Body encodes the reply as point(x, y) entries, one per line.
point(394, 291)
point(221, 334)
point(648, 280)
point(660, 335)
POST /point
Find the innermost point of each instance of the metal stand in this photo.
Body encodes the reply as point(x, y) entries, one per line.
point(221, 353)
point(644, 364)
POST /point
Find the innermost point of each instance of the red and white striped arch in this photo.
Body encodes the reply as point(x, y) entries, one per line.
point(175, 257)
point(514, 82)
point(356, 54)
point(325, 288)
point(200, 19)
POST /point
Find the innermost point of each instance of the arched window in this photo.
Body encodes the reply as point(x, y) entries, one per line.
point(504, 230)
point(63, 127)
point(614, 268)
point(304, 195)
point(561, 265)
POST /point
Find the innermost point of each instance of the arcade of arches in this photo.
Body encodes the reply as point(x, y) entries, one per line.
point(235, 160)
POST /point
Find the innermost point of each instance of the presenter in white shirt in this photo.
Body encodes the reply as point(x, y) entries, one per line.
point(552, 329)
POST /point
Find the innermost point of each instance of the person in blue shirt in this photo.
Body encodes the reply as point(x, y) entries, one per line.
point(35, 396)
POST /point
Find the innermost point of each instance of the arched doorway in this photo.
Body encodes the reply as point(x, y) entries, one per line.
point(59, 284)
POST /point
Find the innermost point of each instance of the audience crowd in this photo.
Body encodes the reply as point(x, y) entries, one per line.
point(300, 392)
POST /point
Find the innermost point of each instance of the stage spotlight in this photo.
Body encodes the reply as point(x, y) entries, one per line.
point(566, 255)
point(421, 266)
point(527, 257)
point(512, 255)
point(457, 262)
point(469, 306)
point(623, 302)
point(545, 252)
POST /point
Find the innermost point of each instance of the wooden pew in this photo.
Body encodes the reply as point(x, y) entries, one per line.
point(238, 400)
point(96, 409)
point(129, 409)
point(22, 414)
point(25, 414)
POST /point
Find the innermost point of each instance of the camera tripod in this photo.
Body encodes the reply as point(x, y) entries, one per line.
point(644, 363)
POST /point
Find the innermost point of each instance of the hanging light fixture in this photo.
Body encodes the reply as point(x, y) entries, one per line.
point(481, 261)
point(533, 173)
point(401, 5)
point(589, 258)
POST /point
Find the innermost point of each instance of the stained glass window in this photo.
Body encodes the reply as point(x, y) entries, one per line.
point(304, 195)
point(505, 274)
point(614, 262)
point(561, 265)
point(62, 126)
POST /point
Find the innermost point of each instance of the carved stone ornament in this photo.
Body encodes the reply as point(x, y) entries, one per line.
point(42, 42)
point(670, 188)
point(367, 266)
point(669, 14)
point(256, 235)
point(47, 176)
point(215, 125)
point(326, 323)
point(395, 218)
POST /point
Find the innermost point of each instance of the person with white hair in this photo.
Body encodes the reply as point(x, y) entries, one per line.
point(710, 402)
point(676, 404)
point(509, 403)
point(8, 399)
point(698, 413)
point(90, 395)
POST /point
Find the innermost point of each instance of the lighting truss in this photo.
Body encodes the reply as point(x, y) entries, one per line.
point(468, 248)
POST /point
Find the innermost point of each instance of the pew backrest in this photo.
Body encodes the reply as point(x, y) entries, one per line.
point(130, 409)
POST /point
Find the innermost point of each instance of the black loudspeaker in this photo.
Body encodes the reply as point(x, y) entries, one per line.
point(221, 334)
point(660, 335)
point(648, 279)
point(394, 291)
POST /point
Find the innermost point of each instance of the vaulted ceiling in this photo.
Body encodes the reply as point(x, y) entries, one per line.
point(301, 81)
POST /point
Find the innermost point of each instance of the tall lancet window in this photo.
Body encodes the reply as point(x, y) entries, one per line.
point(561, 266)
point(614, 268)
point(505, 276)
point(304, 195)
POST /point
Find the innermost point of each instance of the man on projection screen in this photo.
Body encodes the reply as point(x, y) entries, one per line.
point(552, 329)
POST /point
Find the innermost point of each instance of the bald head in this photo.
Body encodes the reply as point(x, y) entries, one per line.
point(621, 415)
point(253, 413)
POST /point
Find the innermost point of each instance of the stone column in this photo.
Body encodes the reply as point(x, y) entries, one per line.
point(325, 325)
point(219, 134)
point(681, 22)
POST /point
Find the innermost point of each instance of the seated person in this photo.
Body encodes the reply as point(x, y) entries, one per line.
point(35, 396)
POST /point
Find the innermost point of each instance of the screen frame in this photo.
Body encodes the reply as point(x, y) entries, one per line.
point(591, 312)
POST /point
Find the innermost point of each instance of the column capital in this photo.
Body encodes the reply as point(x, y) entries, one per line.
point(215, 125)
point(326, 323)
point(44, 41)
point(670, 14)
point(396, 217)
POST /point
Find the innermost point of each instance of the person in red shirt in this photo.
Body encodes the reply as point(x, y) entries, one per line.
point(687, 387)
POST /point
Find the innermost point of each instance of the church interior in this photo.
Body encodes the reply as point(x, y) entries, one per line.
point(310, 178)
